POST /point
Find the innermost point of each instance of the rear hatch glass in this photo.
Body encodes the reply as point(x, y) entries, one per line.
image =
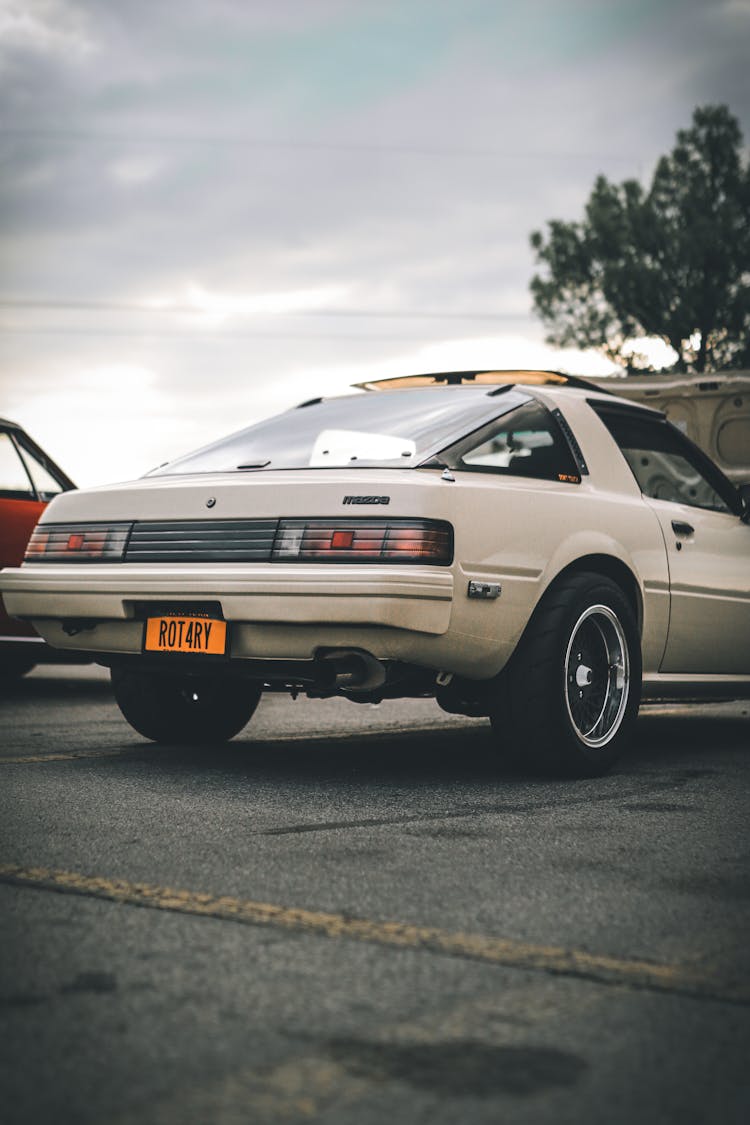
point(398, 429)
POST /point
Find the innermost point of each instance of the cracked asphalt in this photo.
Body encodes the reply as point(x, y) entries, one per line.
point(356, 914)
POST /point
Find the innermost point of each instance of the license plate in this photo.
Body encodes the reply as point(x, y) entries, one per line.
point(205, 636)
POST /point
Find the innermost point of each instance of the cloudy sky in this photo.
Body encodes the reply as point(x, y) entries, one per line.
point(212, 209)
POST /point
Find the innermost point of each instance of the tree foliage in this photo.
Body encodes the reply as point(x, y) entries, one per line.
point(671, 262)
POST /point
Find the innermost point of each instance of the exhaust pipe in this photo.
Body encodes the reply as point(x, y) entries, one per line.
point(354, 669)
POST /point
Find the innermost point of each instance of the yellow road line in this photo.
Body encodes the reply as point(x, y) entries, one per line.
point(669, 978)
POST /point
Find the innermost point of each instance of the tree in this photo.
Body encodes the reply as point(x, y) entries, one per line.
point(672, 262)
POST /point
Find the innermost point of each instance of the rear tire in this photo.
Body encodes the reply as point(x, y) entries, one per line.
point(12, 668)
point(569, 697)
point(186, 710)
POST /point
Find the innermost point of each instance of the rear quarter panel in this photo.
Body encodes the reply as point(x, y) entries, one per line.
point(522, 534)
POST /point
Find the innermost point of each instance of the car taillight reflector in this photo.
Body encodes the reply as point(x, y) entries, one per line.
point(78, 542)
point(403, 541)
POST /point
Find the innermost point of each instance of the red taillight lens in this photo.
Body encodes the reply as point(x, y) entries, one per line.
point(78, 542)
point(37, 545)
point(342, 539)
point(402, 541)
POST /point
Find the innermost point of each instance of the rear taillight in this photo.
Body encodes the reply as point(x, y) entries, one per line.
point(78, 542)
point(292, 540)
point(403, 541)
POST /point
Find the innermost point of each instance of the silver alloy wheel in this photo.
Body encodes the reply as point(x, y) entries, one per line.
point(597, 676)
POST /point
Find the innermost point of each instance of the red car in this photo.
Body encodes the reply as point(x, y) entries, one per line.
point(29, 479)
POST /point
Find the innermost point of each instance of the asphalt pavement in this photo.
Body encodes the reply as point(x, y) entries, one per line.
point(358, 914)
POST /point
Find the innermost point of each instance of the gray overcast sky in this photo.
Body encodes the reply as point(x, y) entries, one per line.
point(212, 209)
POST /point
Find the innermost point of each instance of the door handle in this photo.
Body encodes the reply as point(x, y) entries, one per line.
point(680, 528)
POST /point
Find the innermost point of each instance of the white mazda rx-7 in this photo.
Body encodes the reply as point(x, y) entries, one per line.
point(518, 545)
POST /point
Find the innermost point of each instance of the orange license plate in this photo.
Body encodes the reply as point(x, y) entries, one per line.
point(205, 636)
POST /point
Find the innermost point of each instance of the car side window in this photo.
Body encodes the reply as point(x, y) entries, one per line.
point(665, 464)
point(14, 480)
point(526, 442)
point(45, 484)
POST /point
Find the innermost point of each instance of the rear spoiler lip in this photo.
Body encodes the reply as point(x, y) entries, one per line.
point(489, 377)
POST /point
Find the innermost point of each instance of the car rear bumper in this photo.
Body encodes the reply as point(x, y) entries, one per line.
point(417, 598)
point(274, 610)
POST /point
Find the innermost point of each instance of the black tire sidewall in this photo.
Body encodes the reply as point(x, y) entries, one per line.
point(157, 707)
point(535, 697)
point(599, 759)
point(12, 669)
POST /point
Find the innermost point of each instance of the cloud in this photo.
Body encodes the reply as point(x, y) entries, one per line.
point(305, 188)
point(47, 27)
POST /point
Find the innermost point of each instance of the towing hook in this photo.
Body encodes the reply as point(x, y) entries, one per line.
point(73, 626)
